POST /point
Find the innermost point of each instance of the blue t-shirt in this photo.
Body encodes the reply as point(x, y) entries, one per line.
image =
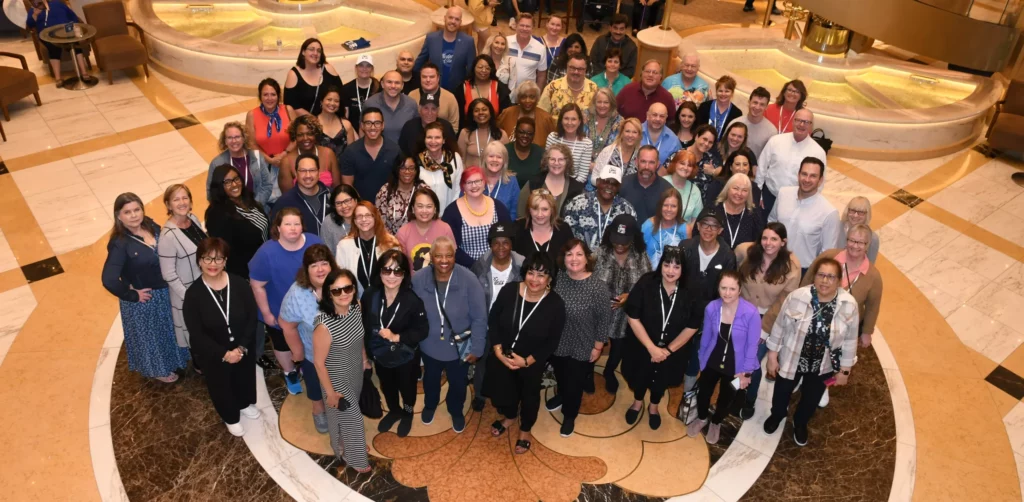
point(447, 56)
point(300, 306)
point(656, 241)
point(277, 267)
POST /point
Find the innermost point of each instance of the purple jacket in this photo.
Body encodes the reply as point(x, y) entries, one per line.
point(746, 332)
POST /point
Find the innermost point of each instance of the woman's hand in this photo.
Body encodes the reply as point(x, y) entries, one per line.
point(842, 379)
point(518, 360)
point(388, 335)
point(709, 168)
point(233, 356)
point(744, 379)
point(271, 321)
point(658, 354)
point(366, 364)
point(333, 398)
point(865, 340)
point(620, 301)
point(595, 353)
point(773, 364)
point(144, 294)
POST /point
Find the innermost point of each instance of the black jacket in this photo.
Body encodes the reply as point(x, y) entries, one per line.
point(208, 333)
point(410, 321)
point(702, 287)
point(132, 264)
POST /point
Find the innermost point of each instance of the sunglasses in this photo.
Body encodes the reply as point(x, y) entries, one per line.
point(393, 271)
point(344, 290)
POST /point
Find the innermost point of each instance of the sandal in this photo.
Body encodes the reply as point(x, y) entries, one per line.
point(497, 429)
point(524, 444)
point(173, 377)
point(363, 471)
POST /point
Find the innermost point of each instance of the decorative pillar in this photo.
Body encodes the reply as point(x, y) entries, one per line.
point(660, 43)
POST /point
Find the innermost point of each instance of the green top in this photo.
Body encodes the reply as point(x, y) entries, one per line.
point(692, 202)
point(525, 169)
point(602, 81)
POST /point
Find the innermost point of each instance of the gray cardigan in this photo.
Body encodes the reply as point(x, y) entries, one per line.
point(482, 270)
point(179, 268)
point(465, 308)
point(264, 175)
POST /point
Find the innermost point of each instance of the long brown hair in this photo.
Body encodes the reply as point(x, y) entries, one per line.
point(384, 239)
point(781, 265)
point(119, 229)
point(669, 193)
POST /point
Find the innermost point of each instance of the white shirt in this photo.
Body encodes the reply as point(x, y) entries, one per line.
point(757, 134)
point(498, 280)
point(527, 61)
point(812, 223)
point(705, 259)
point(778, 166)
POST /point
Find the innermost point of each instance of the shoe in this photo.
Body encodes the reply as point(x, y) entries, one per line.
point(266, 363)
point(171, 378)
point(714, 431)
point(251, 412)
point(388, 421)
point(654, 420)
point(459, 424)
point(824, 399)
point(579, 25)
point(494, 21)
point(478, 404)
point(748, 8)
point(293, 382)
point(776, 11)
point(747, 412)
point(800, 435)
point(611, 384)
point(567, 427)
point(427, 415)
point(404, 425)
point(632, 415)
point(771, 424)
point(320, 422)
point(693, 430)
point(236, 429)
point(554, 404)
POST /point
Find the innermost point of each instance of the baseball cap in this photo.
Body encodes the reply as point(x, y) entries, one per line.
point(430, 98)
point(610, 172)
point(364, 58)
point(712, 212)
point(622, 229)
point(500, 229)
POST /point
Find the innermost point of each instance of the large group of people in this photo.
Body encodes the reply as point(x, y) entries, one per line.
point(467, 211)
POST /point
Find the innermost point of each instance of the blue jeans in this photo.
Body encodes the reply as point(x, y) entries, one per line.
point(693, 365)
point(313, 390)
point(457, 373)
point(755, 376)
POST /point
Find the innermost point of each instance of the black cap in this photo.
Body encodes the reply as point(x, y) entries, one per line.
point(500, 229)
point(622, 229)
point(712, 212)
point(430, 98)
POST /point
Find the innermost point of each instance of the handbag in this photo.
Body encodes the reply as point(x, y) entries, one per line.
point(369, 398)
point(818, 135)
point(463, 342)
point(387, 353)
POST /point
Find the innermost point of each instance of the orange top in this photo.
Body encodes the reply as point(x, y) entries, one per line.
point(278, 140)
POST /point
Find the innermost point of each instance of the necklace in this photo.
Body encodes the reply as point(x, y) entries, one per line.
point(582, 85)
point(470, 207)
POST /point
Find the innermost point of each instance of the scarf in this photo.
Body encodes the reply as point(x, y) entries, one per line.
point(446, 166)
point(275, 119)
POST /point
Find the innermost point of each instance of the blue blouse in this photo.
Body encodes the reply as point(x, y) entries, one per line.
point(507, 194)
point(656, 241)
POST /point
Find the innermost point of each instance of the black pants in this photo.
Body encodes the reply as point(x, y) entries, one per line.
point(654, 383)
point(614, 358)
point(527, 396)
point(399, 381)
point(232, 386)
point(571, 376)
point(479, 370)
point(706, 387)
point(810, 393)
point(645, 18)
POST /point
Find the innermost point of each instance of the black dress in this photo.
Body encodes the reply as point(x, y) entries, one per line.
point(244, 230)
point(307, 97)
point(525, 245)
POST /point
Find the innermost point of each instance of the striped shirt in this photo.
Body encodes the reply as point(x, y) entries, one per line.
point(257, 219)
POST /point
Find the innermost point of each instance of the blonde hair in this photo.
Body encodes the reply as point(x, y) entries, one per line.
point(222, 141)
point(633, 121)
point(537, 196)
point(489, 42)
point(170, 191)
point(498, 147)
point(733, 180)
point(867, 209)
point(606, 92)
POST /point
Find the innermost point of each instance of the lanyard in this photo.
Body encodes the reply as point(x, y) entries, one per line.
point(226, 314)
point(316, 93)
point(547, 245)
point(476, 134)
point(594, 239)
point(725, 352)
point(360, 99)
point(497, 188)
point(661, 232)
point(734, 235)
point(440, 304)
point(717, 119)
point(657, 146)
point(393, 315)
point(782, 127)
point(849, 283)
point(362, 261)
point(522, 308)
point(665, 317)
point(319, 220)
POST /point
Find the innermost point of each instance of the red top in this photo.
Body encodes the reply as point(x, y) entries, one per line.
point(634, 103)
point(469, 89)
point(781, 118)
point(278, 140)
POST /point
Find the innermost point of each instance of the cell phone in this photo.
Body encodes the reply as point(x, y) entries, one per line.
point(830, 381)
point(343, 404)
point(736, 383)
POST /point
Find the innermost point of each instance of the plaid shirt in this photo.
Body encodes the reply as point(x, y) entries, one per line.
point(790, 329)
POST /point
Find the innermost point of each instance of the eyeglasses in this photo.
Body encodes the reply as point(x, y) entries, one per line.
point(801, 122)
point(231, 181)
point(344, 290)
point(373, 123)
point(219, 260)
point(308, 171)
point(710, 226)
point(233, 138)
point(407, 168)
point(392, 271)
point(346, 202)
point(856, 211)
point(474, 183)
point(852, 241)
point(652, 72)
point(578, 69)
point(826, 277)
point(363, 217)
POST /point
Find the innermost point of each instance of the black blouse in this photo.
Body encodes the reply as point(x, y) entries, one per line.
point(409, 322)
point(243, 237)
point(744, 227)
point(540, 333)
point(524, 244)
point(646, 303)
point(307, 97)
point(205, 322)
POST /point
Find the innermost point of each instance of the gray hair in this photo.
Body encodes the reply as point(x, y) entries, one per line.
point(741, 179)
point(443, 240)
point(527, 86)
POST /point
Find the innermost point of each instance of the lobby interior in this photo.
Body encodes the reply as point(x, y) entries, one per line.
point(934, 412)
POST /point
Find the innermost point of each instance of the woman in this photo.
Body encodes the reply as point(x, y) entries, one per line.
point(500, 184)
point(483, 84)
point(858, 212)
point(540, 229)
point(660, 324)
point(336, 132)
point(769, 272)
point(728, 353)
point(709, 164)
point(483, 16)
point(743, 222)
point(343, 199)
point(623, 152)
point(305, 131)
point(272, 271)
point(258, 175)
point(220, 314)
point(735, 141)
point(471, 216)
point(682, 168)
point(573, 45)
point(132, 273)
point(603, 120)
point(621, 261)
point(527, 96)
point(394, 197)
point(268, 123)
point(610, 77)
point(497, 48)
point(440, 165)
point(309, 78)
point(395, 314)
point(423, 227)
point(235, 216)
point(365, 242)
point(340, 358)
point(813, 340)
point(686, 123)
point(781, 112)
point(586, 331)
point(666, 228)
point(569, 134)
point(481, 130)
point(553, 41)
point(555, 177)
point(179, 240)
point(47, 13)
point(524, 328)
point(720, 111)
point(742, 161)
point(298, 310)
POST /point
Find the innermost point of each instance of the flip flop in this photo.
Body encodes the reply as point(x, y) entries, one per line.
point(524, 444)
point(497, 429)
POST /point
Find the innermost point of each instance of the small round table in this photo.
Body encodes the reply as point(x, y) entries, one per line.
point(68, 41)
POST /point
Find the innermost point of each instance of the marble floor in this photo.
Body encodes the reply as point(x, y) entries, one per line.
point(934, 413)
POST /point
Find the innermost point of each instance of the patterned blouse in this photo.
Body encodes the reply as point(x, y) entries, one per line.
point(815, 344)
point(338, 143)
point(702, 179)
point(474, 238)
point(587, 315)
point(394, 207)
point(620, 279)
point(584, 216)
point(600, 138)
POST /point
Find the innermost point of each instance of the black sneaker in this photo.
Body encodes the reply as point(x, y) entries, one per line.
point(478, 404)
point(771, 424)
point(567, 427)
point(459, 424)
point(632, 415)
point(554, 404)
point(747, 412)
point(389, 421)
point(427, 415)
point(748, 8)
point(405, 424)
point(654, 420)
point(800, 435)
point(611, 384)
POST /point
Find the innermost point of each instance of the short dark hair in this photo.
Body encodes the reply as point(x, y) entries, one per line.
point(211, 245)
point(824, 261)
point(313, 254)
point(304, 156)
point(673, 254)
point(423, 190)
point(301, 61)
point(272, 83)
point(219, 198)
point(647, 148)
point(429, 66)
point(528, 121)
point(338, 190)
point(400, 259)
point(618, 18)
point(816, 161)
point(539, 261)
point(337, 90)
point(761, 92)
point(326, 303)
point(392, 184)
point(704, 128)
point(485, 58)
point(569, 245)
point(373, 109)
point(614, 52)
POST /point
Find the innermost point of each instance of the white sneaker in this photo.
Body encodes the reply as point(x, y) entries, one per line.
point(251, 411)
point(236, 429)
point(824, 399)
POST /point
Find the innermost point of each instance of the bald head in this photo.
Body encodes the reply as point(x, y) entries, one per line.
point(803, 124)
point(392, 83)
point(657, 115)
point(452, 19)
point(404, 62)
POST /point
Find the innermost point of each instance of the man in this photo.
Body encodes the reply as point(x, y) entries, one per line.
point(494, 270)
point(404, 64)
point(528, 54)
point(411, 138)
point(430, 82)
point(637, 97)
point(450, 49)
point(396, 107)
point(759, 129)
point(687, 85)
point(779, 162)
point(309, 195)
point(654, 133)
point(524, 156)
point(588, 213)
point(366, 164)
point(357, 91)
point(644, 189)
point(574, 87)
point(706, 258)
point(615, 38)
point(811, 221)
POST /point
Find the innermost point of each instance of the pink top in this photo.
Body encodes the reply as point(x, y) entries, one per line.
point(417, 246)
